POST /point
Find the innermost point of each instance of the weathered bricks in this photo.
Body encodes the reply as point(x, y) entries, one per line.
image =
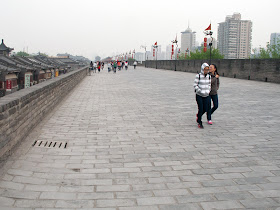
point(24, 109)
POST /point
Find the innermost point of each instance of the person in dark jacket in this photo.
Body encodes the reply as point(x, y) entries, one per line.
point(215, 83)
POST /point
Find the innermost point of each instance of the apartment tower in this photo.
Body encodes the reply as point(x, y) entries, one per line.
point(234, 37)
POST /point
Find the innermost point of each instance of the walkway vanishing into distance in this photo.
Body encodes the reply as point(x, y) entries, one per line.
point(133, 143)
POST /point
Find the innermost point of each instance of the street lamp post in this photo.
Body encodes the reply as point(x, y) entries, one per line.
point(175, 42)
point(145, 47)
point(187, 52)
point(210, 33)
point(156, 47)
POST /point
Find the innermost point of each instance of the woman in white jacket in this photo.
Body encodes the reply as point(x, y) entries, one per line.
point(202, 88)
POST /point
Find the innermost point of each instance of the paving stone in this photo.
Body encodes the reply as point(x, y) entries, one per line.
point(163, 180)
point(149, 187)
point(233, 196)
point(20, 194)
point(221, 205)
point(195, 198)
point(113, 188)
point(171, 192)
point(6, 201)
point(260, 203)
point(19, 172)
point(134, 194)
point(266, 193)
point(58, 196)
point(125, 170)
point(180, 207)
point(35, 203)
point(206, 190)
point(95, 196)
point(139, 208)
point(11, 185)
point(78, 204)
point(29, 180)
point(41, 188)
point(155, 201)
point(115, 203)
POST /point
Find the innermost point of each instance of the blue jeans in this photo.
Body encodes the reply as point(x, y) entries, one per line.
point(215, 106)
point(203, 106)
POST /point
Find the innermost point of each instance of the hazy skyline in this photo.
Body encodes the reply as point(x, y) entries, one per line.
point(105, 28)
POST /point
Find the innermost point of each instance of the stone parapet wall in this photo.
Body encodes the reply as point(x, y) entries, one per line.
point(267, 70)
point(20, 112)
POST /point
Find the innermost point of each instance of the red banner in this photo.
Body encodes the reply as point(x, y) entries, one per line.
point(172, 49)
point(8, 84)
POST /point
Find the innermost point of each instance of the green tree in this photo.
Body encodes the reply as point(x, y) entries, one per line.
point(271, 51)
point(201, 55)
point(97, 58)
point(21, 53)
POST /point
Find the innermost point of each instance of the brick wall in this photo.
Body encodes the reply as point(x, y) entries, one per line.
point(20, 112)
point(254, 69)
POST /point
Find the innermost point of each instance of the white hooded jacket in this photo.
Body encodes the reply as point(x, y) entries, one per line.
point(202, 83)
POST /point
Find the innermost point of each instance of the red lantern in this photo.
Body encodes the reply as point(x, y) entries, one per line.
point(172, 49)
point(205, 39)
point(154, 52)
point(205, 49)
point(205, 44)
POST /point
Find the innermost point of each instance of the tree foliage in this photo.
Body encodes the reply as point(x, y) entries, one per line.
point(201, 55)
point(21, 53)
point(97, 58)
point(271, 51)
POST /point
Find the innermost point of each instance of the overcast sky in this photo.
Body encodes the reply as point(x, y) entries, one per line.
point(108, 27)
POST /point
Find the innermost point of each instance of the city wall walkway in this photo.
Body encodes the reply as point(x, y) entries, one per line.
point(133, 143)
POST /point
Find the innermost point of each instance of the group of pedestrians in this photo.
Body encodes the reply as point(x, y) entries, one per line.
point(112, 66)
point(96, 66)
point(206, 85)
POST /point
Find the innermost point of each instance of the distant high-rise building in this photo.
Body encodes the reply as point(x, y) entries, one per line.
point(234, 37)
point(140, 56)
point(274, 38)
point(188, 40)
point(168, 52)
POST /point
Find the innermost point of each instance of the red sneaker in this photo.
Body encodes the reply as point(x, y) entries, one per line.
point(200, 125)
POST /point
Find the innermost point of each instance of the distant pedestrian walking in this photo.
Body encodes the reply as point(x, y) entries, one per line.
point(119, 65)
point(135, 64)
point(94, 67)
point(90, 68)
point(115, 66)
point(98, 67)
point(126, 65)
point(202, 87)
point(109, 67)
point(215, 84)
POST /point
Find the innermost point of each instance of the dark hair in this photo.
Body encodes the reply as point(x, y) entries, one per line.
point(215, 68)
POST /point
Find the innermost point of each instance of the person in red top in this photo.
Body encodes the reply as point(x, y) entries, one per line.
point(119, 65)
point(98, 66)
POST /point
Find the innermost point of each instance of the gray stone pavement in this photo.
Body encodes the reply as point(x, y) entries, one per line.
point(133, 144)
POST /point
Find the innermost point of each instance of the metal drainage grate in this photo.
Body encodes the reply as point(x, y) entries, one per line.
point(50, 144)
